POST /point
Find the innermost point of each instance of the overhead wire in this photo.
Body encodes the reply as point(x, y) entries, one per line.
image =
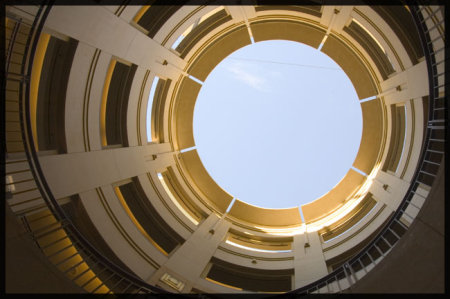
point(286, 63)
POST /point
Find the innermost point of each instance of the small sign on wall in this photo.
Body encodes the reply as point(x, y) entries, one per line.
point(172, 282)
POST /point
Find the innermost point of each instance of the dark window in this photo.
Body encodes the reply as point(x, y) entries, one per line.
point(50, 110)
point(117, 104)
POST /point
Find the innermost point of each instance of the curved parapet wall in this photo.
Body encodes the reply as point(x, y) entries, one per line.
point(118, 214)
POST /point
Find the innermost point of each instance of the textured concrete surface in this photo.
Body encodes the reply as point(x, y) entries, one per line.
point(417, 263)
point(26, 268)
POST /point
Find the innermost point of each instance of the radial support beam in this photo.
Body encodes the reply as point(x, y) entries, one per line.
point(99, 28)
point(190, 260)
point(309, 261)
point(404, 86)
point(78, 172)
point(335, 17)
point(241, 13)
point(388, 189)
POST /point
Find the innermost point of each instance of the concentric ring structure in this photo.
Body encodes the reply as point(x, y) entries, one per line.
point(102, 208)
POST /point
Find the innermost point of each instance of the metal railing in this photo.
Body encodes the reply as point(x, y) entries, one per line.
point(118, 280)
point(100, 269)
point(430, 160)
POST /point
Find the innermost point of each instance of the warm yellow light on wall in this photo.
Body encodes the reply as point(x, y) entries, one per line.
point(223, 284)
point(255, 249)
point(134, 220)
point(38, 62)
point(175, 201)
point(369, 33)
point(109, 73)
point(333, 217)
point(140, 13)
point(349, 205)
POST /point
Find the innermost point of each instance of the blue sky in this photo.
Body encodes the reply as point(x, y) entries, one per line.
point(277, 124)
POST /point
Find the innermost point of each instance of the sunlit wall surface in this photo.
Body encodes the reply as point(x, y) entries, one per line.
point(103, 169)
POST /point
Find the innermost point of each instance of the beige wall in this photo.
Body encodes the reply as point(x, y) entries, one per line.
point(90, 170)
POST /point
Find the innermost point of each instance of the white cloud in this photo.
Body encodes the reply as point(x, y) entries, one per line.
point(243, 74)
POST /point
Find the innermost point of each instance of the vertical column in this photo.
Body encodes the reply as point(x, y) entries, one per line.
point(335, 17)
point(309, 261)
point(189, 261)
point(243, 13)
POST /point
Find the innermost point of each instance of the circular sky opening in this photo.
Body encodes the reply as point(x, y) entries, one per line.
point(277, 124)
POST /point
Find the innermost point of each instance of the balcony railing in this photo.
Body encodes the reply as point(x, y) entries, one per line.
point(70, 250)
point(51, 228)
point(359, 265)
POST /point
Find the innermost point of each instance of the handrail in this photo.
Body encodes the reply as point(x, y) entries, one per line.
point(433, 84)
point(30, 151)
point(11, 45)
point(345, 269)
